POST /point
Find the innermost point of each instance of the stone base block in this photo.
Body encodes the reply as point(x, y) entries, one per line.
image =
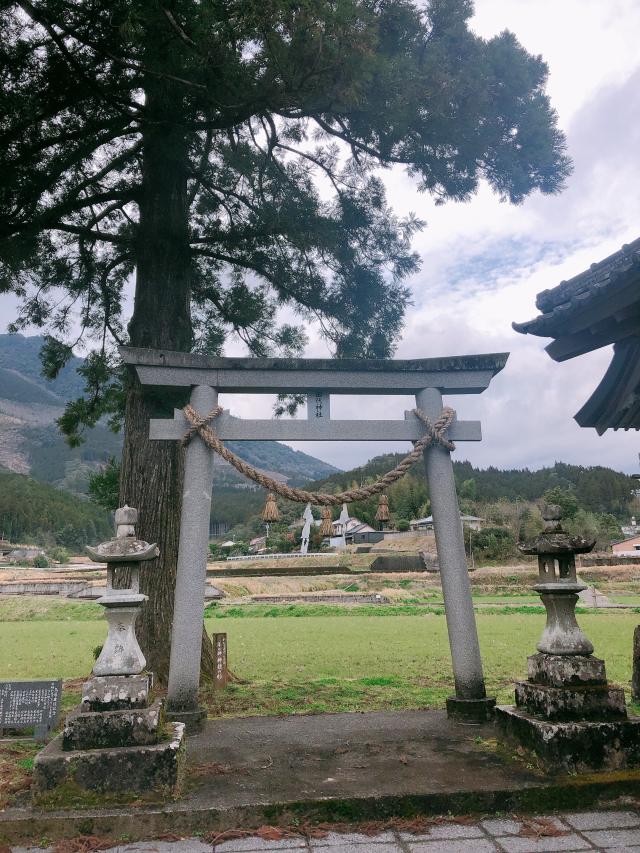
point(193, 719)
point(470, 711)
point(599, 702)
point(566, 670)
point(572, 747)
point(115, 692)
point(155, 769)
point(104, 729)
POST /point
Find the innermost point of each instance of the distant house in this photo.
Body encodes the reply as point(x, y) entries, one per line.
point(258, 544)
point(356, 532)
point(627, 547)
point(361, 533)
point(472, 521)
point(365, 537)
point(25, 553)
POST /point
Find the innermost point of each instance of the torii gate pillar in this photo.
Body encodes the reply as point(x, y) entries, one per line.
point(470, 703)
point(191, 574)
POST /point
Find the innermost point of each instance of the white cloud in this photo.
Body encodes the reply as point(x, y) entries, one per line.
point(484, 262)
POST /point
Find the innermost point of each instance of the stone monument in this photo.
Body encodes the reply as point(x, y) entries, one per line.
point(117, 741)
point(567, 712)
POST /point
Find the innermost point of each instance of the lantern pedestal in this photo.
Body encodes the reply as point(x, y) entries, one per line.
point(569, 715)
point(562, 634)
point(573, 746)
point(117, 742)
point(566, 712)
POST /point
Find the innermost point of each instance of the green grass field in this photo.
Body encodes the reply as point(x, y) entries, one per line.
point(323, 662)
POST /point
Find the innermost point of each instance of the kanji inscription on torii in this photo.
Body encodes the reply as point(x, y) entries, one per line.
point(27, 704)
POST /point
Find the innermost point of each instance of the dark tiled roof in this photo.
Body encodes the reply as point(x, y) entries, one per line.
point(599, 307)
point(615, 404)
point(563, 303)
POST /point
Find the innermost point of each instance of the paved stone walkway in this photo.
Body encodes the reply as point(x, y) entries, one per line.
point(615, 831)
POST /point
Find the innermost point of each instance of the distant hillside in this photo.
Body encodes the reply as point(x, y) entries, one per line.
point(21, 355)
point(38, 513)
point(597, 489)
point(29, 406)
point(31, 444)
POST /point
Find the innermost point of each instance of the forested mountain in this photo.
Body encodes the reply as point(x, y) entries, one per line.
point(597, 489)
point(29, 406)
point(31, 444)
point(32, 512)
point(595, 501)
point(20, 358)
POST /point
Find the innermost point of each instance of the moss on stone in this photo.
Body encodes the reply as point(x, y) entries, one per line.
point(69, 795)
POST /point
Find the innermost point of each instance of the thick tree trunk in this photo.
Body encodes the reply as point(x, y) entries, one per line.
point(151, 474)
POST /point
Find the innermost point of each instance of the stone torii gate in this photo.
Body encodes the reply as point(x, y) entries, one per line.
point(427, 379)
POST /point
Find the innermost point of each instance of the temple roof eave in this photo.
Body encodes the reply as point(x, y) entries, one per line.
point(597, 308)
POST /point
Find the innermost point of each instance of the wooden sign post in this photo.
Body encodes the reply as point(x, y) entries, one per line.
point(221, 674)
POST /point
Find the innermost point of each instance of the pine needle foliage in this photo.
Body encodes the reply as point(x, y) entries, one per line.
point(271, 120)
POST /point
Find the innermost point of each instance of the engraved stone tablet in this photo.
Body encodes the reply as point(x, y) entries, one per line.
point(30, 704)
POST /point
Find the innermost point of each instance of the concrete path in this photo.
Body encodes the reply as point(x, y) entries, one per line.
point(614, 831)
point(327, 766)
point(592, 597)
point(350, 757)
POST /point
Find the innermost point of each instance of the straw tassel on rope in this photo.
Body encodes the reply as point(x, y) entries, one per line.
point(435, 433)
point(382, 514)
point(270, 512)
point(326, 527)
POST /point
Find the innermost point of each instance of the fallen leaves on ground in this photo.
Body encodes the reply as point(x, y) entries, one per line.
point(83, 844)
point(540, 827)
point(265, 833)
point(15, 778)
point(72, 684)
point(416, 826)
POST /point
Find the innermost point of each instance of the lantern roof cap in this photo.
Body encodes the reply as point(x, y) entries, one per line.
point(124, 547)
point(554, 539)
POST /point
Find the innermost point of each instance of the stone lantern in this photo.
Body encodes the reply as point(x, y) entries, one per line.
point(117, 742)
point(567, 713)
point(121, 654)
point(559, 587)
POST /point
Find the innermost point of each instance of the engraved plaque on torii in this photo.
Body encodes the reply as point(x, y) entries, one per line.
point(27, 704)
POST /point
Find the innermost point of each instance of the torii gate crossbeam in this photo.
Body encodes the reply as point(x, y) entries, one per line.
point(428, 379)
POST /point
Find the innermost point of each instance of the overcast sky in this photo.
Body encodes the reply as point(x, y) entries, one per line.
point(484, 262)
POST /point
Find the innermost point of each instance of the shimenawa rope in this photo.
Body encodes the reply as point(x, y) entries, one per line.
point(435, 433)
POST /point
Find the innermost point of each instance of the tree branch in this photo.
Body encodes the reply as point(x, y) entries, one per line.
point(37, 16)
point(179, 30)
point(88, 234)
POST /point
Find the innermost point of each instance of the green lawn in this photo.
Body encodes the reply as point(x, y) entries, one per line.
point(328, 662)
